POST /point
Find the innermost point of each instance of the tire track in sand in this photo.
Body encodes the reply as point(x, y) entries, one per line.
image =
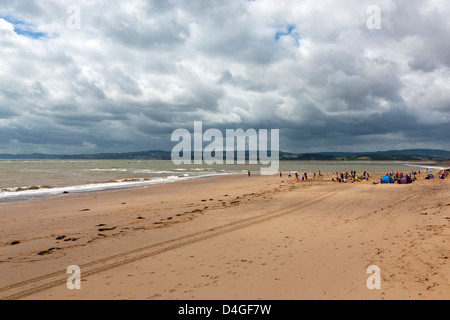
point(51, 280)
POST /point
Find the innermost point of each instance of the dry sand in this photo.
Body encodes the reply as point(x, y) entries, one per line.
point(232, 237)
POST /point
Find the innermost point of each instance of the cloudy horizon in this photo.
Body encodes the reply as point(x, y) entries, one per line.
point(98, 76)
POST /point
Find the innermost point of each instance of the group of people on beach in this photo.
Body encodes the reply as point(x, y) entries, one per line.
point(397, 177)
point(350, 177)
point(353, 176)
point(297, 176)
point(411, 177)
point(443, 174)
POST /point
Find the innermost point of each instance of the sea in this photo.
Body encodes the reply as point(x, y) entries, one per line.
point(22, 180)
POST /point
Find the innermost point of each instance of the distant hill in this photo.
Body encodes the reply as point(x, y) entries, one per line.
point(392, 155)
point(144, 155)
point(423, 152)
point(381, 156)
point(32, 156)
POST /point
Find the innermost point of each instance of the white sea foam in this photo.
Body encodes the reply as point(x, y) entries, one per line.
point(12, 194)
point(109, 170)
point(148, 171)
point(425, 166)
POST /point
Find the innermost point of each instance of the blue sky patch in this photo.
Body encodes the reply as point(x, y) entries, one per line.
point(24, 29)
point(290, 32)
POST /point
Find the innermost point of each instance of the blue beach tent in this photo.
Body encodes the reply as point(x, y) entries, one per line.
point(431, 176)
point(387, 179)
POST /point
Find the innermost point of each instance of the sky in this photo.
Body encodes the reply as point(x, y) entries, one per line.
point(98, 76)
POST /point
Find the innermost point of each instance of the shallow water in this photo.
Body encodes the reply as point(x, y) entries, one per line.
point(22, 180)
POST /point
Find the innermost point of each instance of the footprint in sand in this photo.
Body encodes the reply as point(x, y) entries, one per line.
point(49, 251)
point(107, 229)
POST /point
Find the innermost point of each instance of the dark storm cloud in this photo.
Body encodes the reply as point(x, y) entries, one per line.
point(142, 32)
point(137, 70)
point(423, 63)
point(6, 112)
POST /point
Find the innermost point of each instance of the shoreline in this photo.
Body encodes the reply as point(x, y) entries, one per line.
point(49, 193)
point(26, 193)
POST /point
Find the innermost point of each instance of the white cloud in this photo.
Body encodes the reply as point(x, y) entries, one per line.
point(136, 70)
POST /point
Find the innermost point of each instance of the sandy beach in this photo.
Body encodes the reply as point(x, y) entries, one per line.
point(232, 237)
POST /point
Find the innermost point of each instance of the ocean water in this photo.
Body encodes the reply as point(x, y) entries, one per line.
point(30, 179)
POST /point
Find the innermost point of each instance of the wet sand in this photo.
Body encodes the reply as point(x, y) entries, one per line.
point(232, 237)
